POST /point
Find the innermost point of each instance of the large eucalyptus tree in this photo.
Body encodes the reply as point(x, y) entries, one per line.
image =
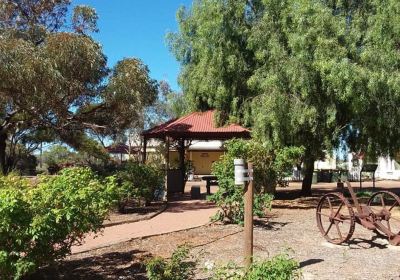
point(54, 78)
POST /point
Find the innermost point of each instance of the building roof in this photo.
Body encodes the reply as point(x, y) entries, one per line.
point(197, 125)
point(118, 149)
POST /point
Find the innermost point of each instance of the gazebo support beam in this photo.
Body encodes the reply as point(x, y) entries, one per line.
point(166, 140)
point(144, 155)
point(182, 161)
point(167, 144)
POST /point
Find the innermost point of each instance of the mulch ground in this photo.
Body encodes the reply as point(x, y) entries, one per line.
point(368, 256)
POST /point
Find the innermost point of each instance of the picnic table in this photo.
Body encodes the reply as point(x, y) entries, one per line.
point(211, 181)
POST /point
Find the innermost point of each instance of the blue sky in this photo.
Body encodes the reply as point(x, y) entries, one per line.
point(137, 28)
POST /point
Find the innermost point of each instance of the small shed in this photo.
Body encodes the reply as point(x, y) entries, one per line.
point(195, 126)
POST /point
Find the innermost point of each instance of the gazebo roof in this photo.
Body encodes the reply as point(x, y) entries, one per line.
point(197, 125)
point(118, 149)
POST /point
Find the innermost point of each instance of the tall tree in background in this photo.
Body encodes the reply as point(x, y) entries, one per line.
point(301, 73)
point(212, 48)
point(169, 105)
point(54, 78)
point(296, 44)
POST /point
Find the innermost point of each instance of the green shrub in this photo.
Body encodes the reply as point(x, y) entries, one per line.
point(140, 181)
point(176, 268)
point(268, 164)
point(280, 267)
point(229, 197)
point(15, 240)
point(40, 224)
point(230, 272)
point(365, 194)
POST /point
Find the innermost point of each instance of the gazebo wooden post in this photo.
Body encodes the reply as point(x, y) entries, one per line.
point(144, 155)
point(167, 153)
point(182, 161)
point(166, 163)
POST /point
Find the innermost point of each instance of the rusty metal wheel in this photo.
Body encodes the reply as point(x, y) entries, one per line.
point(386, 207)
point(335, 218)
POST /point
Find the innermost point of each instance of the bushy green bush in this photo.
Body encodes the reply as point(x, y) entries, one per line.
point(229, 197)
point(268, 166)
point(280, 267)
point(176, 268)
point(139, 181)
point(40, 224)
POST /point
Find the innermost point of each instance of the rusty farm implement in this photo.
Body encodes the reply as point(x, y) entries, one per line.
point(336, 217)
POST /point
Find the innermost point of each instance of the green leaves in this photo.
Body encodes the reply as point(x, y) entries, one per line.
point(55, 78)
point(269, 166)
point(300, 73)
point(129, 91)
point(211, 47)
point(139, 181)
point(176, 268)
point(39, 224)
point(279, 267)
point(84, 19)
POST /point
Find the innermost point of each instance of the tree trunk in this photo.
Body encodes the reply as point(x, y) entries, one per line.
point(3, 145)
point(308, 175)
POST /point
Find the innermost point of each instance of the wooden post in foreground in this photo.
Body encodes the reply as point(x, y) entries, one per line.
point(248, 218)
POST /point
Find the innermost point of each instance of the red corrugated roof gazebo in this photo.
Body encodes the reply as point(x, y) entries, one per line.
point(195, 126)
point(199, 126)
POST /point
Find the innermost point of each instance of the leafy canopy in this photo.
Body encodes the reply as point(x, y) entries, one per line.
point(300, 73)
point(54, 76)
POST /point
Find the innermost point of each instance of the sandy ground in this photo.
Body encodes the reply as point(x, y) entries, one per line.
point(366, 257)
point(291, 226)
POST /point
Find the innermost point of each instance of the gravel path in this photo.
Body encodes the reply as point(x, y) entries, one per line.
point(366, 257)
point(179, 215)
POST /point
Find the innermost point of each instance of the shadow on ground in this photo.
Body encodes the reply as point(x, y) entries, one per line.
point(310, 262)
point(115, 265)
point(377, 241)
point(178, 207)
point(269, 225)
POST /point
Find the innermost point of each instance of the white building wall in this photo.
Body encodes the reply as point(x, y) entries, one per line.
point(388, 168)
point(328, 163)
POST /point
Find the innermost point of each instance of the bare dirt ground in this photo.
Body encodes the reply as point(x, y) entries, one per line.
point(291, 226)
point(366, 257)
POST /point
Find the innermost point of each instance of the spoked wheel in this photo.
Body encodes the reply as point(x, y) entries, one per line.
point(335, 218)
point(386, 207)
